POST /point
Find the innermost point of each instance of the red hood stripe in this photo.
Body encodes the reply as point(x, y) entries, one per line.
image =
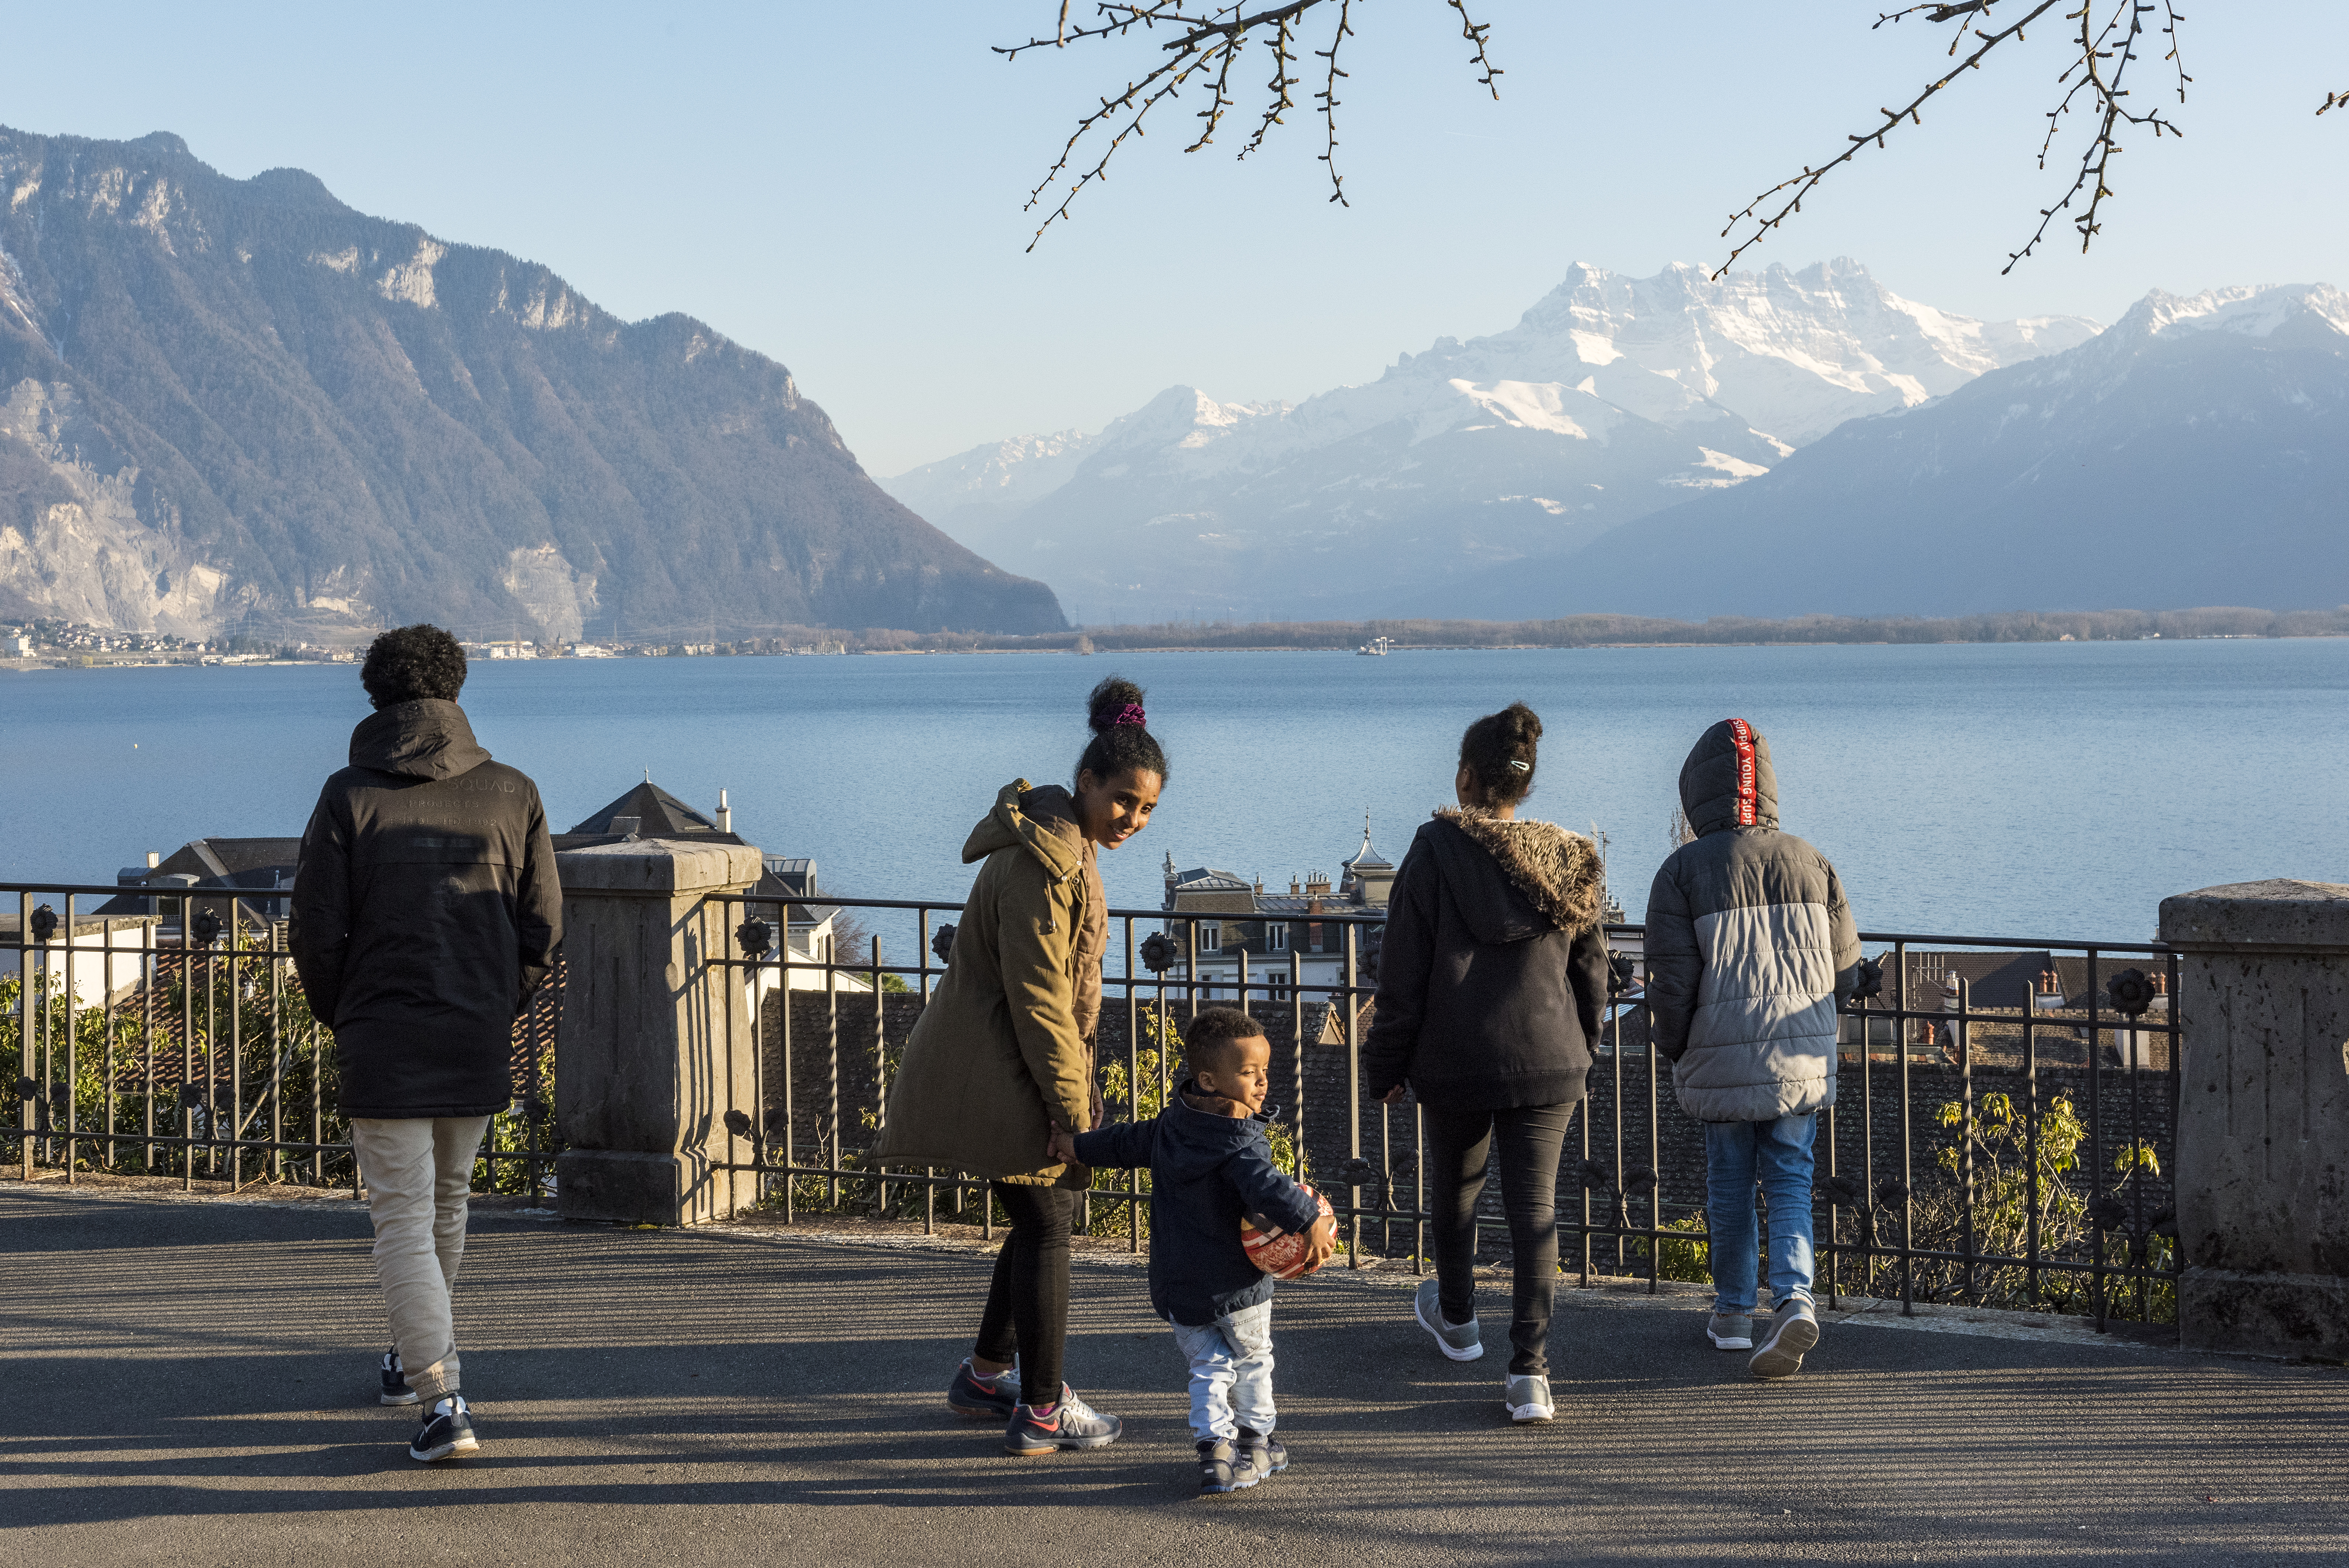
point(1748, 795)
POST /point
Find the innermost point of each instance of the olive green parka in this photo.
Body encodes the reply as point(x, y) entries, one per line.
point(1004, 1052)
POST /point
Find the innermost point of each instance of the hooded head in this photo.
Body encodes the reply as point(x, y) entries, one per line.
point(1727, 781)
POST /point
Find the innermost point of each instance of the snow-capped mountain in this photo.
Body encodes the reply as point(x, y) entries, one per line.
point(2191, 455)
point(1611, 398)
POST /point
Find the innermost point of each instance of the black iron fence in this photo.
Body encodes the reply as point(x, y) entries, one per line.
point(2003, 1133)
point(167, 1035)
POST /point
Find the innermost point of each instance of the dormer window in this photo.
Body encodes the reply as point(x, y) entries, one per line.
point(1211, 937)
point(1279, 938)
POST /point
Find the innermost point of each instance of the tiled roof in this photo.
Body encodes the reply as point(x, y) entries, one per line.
point(658, 814)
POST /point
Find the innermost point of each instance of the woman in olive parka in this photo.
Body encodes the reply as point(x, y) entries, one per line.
point(1004, 1053)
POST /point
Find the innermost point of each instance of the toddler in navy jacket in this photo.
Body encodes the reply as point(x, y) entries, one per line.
point(1211, 1166)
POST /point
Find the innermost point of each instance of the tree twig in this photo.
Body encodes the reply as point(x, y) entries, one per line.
point(2099, 71)
point(1209, 37)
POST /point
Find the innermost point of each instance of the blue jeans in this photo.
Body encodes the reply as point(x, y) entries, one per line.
point(1779, 1155)
point(1231, 1374)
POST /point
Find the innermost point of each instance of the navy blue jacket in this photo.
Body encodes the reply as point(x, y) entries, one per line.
point(1206, 1172)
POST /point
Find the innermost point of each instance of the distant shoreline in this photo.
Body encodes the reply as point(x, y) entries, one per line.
point(1592, 631)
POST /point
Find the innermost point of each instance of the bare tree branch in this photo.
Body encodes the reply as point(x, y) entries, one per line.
point(2334, 100)
point(2099, 71)
point(1209, 37)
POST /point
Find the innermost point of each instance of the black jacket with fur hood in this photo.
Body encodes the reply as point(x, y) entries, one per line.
point(1494, 973)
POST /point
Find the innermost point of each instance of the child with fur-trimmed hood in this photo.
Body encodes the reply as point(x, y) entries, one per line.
point(1492, 982)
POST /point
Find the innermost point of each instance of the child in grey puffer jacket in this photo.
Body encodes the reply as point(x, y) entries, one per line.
point(1751, 951)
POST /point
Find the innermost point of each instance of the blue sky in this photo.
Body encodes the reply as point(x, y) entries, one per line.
point(839, 185)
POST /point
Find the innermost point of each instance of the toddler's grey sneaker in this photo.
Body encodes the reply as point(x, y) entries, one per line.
point(1529, 1398)
point(1460, 1341)
point(1794, 1329)
point(1221, 1469)
point(1730, 1331)
point(1262, 1456)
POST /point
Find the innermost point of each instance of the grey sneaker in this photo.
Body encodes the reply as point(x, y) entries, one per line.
point(1794, 1329)
point(1730, 1331)
point(1529, 1398)
point(1460, 1341)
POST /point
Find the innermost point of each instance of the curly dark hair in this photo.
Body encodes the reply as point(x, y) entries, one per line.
point(1500, 753)
point(416, 661)
point(1208, 1039)
point(1120, 739)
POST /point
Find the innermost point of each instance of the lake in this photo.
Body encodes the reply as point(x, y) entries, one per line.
point(2037, 790)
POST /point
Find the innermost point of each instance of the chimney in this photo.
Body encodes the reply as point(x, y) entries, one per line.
point(153, 860)
point(725, 813)
point(1292, 887)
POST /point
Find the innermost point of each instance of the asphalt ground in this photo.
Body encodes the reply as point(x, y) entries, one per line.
point(191, 1382)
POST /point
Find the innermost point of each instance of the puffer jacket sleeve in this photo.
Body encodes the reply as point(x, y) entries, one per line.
point(320, 931)
point(1674, 962)
point(1036, 939)
point(1405, 962)
point(1844, 932)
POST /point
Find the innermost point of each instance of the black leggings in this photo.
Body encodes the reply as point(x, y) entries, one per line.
point(1028, 1305)
point(1459, 1144)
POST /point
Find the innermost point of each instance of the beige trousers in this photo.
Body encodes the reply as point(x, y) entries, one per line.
point(417, 1173)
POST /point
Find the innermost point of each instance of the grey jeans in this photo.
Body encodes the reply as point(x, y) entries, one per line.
point(417, 1173)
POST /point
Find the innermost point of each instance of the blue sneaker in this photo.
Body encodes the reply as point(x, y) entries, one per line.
point(1071, 1423)
point(395, 1390)
point(447, 1430)
point(971, 1395)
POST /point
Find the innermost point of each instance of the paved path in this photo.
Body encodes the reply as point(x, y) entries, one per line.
point(190, 1382)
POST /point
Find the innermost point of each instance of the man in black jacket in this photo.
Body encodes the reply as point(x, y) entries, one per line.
point(426, 910)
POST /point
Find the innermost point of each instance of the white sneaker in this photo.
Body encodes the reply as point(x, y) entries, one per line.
point(1527, 1398)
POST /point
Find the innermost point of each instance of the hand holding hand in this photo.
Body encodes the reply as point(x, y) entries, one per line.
point(1062, 1146)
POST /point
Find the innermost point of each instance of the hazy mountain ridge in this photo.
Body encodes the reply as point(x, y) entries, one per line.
point(2190, 455)
point(1611, 398)
point(243, 404)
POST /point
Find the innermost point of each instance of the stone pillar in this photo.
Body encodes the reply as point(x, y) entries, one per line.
point(655, 1045)
point(2263, 1117)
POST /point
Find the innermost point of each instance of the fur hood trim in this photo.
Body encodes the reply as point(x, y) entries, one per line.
point(1556, 869)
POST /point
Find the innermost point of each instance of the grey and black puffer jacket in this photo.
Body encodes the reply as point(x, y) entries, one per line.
point(1750, 948)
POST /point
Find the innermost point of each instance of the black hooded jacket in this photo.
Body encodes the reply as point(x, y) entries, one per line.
point(426, 910)
point(1493, 975)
